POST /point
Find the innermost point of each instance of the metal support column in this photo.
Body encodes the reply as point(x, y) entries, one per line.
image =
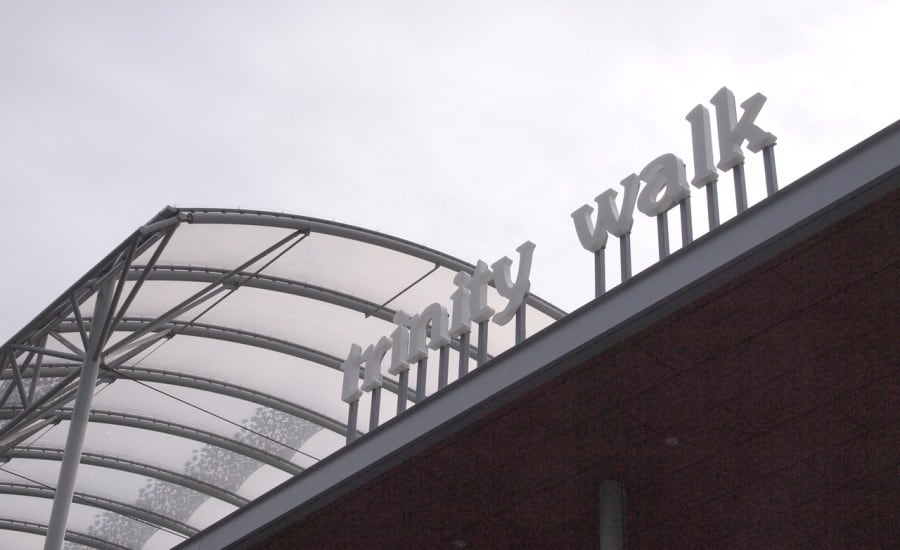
point(352, 415)
point(520, 322)
point(443, 366)
point(464, 354)
point(662, 231)
point(68, 470)
point(482, 342)
point(599, 272)
point(740, 188)
point(769, 166)
point(421, 374)
point(612, 515)
point(375, 411)
point(403, 391)
point(687, 224)
point(712, 205)
point(625, 256)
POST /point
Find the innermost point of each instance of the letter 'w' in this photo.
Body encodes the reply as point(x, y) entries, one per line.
point(609, 218)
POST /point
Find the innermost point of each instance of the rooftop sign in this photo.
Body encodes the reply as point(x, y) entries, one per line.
point(665, 186)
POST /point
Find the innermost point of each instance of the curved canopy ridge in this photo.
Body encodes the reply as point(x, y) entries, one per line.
point(220, 343)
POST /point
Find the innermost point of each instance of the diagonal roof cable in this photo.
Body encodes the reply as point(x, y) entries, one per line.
point(209, 412)
point(44, 432)
point(409, 286)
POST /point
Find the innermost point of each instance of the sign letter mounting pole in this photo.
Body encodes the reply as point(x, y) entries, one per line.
point(65, 486)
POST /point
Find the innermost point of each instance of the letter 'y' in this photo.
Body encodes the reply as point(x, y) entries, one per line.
point(513, 292)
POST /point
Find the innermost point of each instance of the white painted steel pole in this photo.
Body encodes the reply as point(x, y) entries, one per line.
point(65, 486)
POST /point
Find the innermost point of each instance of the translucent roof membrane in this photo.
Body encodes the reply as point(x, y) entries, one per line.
point(220, 373)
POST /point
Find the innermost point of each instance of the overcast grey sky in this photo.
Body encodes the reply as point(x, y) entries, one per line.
point(466, 126)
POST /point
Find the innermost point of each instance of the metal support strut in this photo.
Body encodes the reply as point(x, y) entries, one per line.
point(482, 342)
point(463, 354)
point(599, 272)
point(769, 165)
point(65, 486)
point(740, 188)
point(352, 415)
point(625, 256)
point(662, 230)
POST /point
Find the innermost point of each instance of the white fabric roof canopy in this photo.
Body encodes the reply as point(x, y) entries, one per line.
point(220, 372)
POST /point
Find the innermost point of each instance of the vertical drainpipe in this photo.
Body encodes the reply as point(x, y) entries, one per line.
point(612, 515)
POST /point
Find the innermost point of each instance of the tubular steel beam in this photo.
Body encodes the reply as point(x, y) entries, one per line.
point(35, 528)
point(180, 430)
point(314, 225)
point(36, 372)
point(120, 284)
point(68, 470)
point(133, 467)
point(35, 330)
point(114, 506)
point(265, 282)
point(212, 289)
point(218, 332)
point(144, 374)
point(17, 379)
point(139, 280)
point(23, 434)
point(43, 405)
point(65, 343)
point(275, 284)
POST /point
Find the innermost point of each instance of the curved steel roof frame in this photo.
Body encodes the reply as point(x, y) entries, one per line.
point(35, 528)
point(238, 336)
point(133, 467)
point(221, 387)
point(180, 430)
point(110, 505)
point(315, 225)
point(43, 361)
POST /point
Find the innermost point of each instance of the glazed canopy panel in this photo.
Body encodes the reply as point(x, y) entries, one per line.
point(220, 371)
